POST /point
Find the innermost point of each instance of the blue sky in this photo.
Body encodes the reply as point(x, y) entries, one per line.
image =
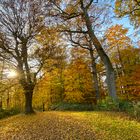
point(126, 23)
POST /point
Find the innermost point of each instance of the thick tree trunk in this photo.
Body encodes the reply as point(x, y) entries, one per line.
point(28, 88)
point(28, 101)
point(0, 103)
point(8, 100)
point(43, 106)
point(94, 73)
point(109, 69)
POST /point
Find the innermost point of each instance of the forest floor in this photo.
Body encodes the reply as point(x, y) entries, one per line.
point(70, 126)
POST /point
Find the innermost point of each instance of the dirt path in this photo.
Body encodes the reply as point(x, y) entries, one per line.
point(70, 126)
point(45, 126)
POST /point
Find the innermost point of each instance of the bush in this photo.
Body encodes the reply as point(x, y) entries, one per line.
point(72, 107)
point(107, 104)
point(7, 113)
point(136, 107)
point(126, 106)
point(132, 108)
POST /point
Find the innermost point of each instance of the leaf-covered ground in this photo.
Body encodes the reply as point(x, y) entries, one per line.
point(70, 126)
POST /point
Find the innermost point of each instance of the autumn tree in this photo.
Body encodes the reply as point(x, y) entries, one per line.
point(20, 22)
point(84, 42)
point(131, 60)
point(78, 78)
point(50, 88)
point(130, 8)
point(135, 77)
point(125, 59)
point(118, 40)
point(83, 10)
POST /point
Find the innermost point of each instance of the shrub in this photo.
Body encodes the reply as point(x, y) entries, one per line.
point(7, 113)
point(64, 106)
point(107, 104)
point(132, 108)
point(126, 106)
point(136, 107)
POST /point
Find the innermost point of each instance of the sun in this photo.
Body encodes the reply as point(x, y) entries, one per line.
point(12, 74)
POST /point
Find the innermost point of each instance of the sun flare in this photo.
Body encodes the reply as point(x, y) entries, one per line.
point(12, 74)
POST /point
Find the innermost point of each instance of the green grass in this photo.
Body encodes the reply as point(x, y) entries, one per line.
point(56, 125)
point(113, 126)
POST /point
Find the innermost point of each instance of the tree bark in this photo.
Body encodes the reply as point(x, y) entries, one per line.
point(8, 100)
point(94, 73)
point(109, 68)
point(0, 103)
point(28, 101)
point(43, 106)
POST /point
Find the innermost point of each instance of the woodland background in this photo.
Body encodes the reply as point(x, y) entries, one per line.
point(69, 55)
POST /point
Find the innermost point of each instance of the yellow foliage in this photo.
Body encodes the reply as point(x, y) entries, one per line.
point(130, 8)
point(74, 97)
